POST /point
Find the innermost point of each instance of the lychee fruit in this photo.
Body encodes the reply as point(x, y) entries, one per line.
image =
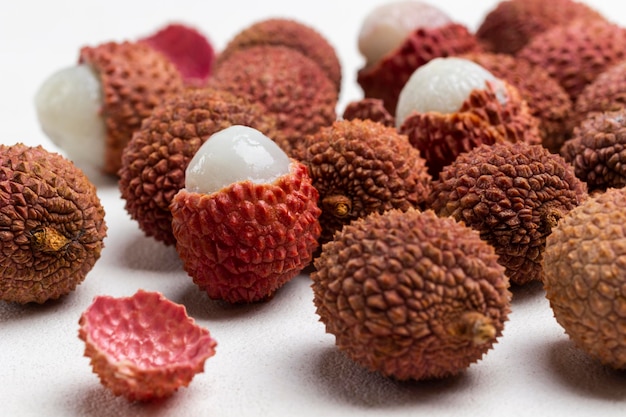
point(513, 194)
point(52, 225)
point(143, 347)
point(585, 276)
point(369, 109)
point(246, 221)
point(411, 295)
point(91, 110)
point(155, 160)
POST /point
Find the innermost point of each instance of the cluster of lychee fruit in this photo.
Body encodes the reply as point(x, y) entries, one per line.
point(467, 166)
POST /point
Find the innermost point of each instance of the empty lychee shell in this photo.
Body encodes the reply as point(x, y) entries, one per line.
point(577, 53)
point(292, 34)
point(188, 49)
point(247, 220)
point(369, 109)
point(145, 346)
point(546, 99)
point(385, 78)
point(289, 85)
point(606, 93)
point(451, 105)
point(513, 23)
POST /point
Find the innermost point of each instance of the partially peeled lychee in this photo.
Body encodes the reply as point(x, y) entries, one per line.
point(247, 220)
point(143, 347)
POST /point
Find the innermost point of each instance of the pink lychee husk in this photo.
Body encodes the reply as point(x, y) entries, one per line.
point(187, 48)
point(143, 347)
point(243, 242)
point(385, 78)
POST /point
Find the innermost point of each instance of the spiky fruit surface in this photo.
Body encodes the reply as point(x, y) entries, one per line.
point(135, 78)
point(585, 276)
point(597, 150)
point(606, 93)
point(188, 49)
point(292, 34)
point(369, 109)
point(513, 23)
point(385, 78)
point(577, 53)
point(452, 105)
point(513, 194)
point(247, 220)
point(411, 295)
point(360, 167)
point(288, 84)
point(155, 160)
point(143, 347)
point(52, 225)
point(547, 100)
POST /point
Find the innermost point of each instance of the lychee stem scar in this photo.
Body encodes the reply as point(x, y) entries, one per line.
point(339, 205)
point(48, 240)
point(475, 327)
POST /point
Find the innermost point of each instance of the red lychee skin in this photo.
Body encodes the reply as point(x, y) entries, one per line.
point(143, 347)
point(188, 49)
point(134, 79)
point(242, 243)
point(369, 109)
point(386, 78)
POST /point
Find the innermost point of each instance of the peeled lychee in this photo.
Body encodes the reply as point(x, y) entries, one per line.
point(92, 109)
point(247, 220)
point(411, 295)
point(143, 347)
point(52, 225)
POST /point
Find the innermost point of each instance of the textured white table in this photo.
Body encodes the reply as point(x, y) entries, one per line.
point(273, 359)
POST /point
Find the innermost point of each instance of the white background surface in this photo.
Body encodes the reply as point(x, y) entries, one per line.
point(273, 359)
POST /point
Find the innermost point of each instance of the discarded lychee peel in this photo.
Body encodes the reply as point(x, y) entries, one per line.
point(244, 242)
point(143, 347)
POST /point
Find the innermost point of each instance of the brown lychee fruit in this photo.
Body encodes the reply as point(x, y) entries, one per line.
point(597, 150)
point(451, 105)
point(288, 84)
point(369, 109)
point(247, 220)
point(52, 225)
point(585, 276)
point(155, 160)
point(513, 194)
point(386, 77)
point(411, 295)
point(92, 109)
point(359, 167)
point(513, 23)
point(546, 99)
point(187, 48)
point(577, 53)
point(143, 347)
point(293, 34)
point(604, 94)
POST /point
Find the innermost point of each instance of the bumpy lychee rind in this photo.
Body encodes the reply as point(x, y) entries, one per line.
point(386, 78)
point(155, 160)
point(134, 78)
point(360, 167)
point(482, 119)
point(513, 23)
point(369, 109)
point(411, 295)
point(242, 243)
point(293, 34)
point(546, 99)
point(513, 194)
point(143, 347)
point(577, 53)
point(597, 150)
point(585, 276)
point(606, 93)
point(52, 225)
point(288, 84)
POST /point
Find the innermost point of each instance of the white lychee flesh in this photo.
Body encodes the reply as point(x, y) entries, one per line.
point(69, 106)
point(237, 153)
point(388, 25)
point(442, 85)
